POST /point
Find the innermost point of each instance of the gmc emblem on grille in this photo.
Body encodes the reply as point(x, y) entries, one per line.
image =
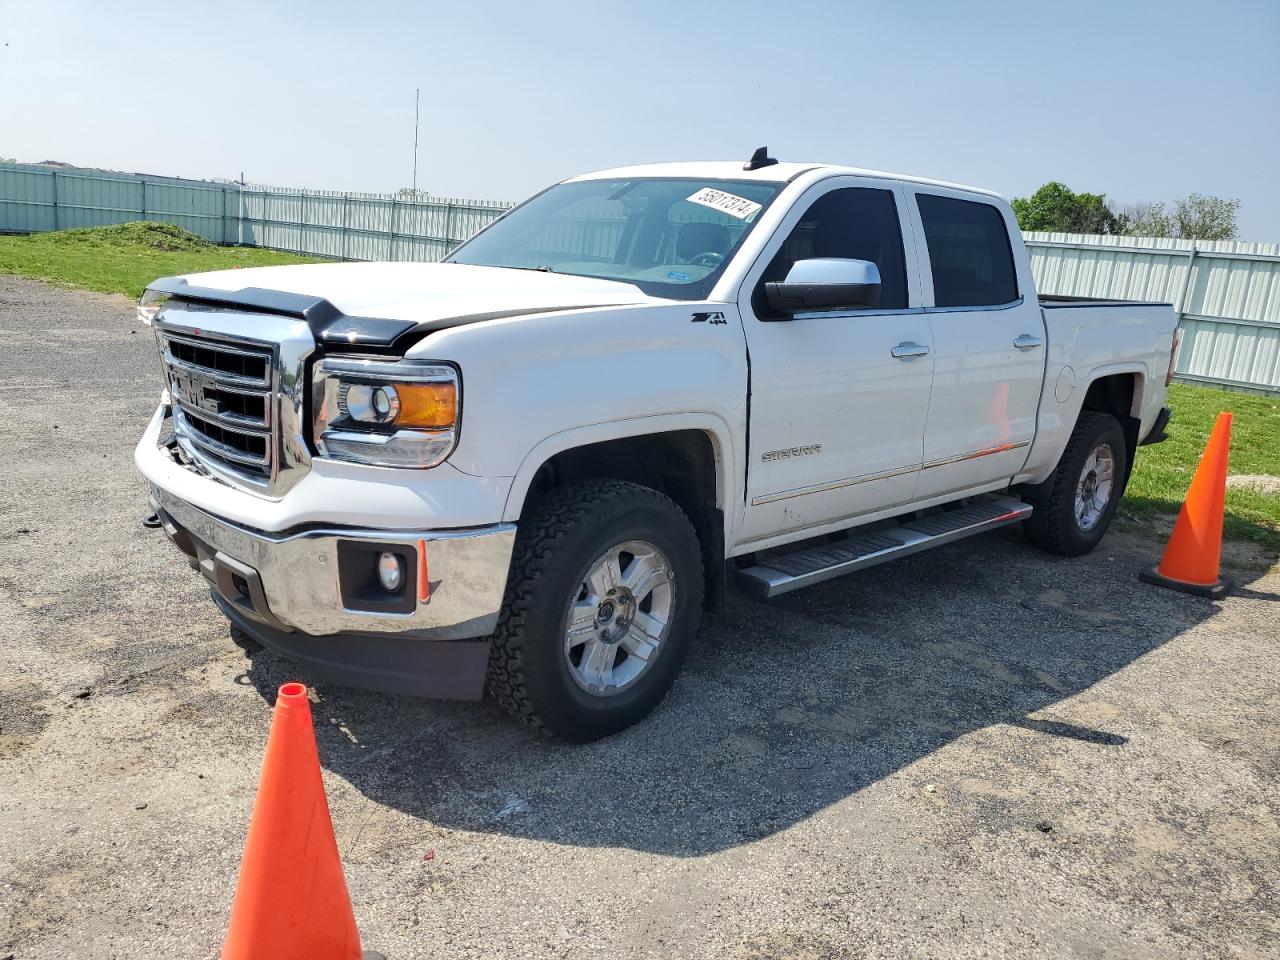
point(197, 391)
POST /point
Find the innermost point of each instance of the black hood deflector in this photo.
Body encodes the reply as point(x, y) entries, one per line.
point(329, 325)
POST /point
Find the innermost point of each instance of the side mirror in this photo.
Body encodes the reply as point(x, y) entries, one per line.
point(826, 283)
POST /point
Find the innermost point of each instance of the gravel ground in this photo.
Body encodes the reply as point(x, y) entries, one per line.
point(981, 751)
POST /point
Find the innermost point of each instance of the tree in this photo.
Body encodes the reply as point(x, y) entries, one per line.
point(1056, 207)
point(1201, 217)
point(1197, 217)
point(1143, 220)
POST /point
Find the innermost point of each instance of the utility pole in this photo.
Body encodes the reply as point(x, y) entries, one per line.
point(417, 95)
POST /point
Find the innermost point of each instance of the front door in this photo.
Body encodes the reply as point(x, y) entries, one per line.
point(838, 399)
point(989, 348)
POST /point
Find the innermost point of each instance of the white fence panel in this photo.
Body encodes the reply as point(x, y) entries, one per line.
point(1227, 294)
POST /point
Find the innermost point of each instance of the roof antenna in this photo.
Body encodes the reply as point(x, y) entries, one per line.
point(759, 159)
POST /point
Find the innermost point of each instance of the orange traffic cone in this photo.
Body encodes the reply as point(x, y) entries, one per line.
point(1194, 552)
point(291, 902)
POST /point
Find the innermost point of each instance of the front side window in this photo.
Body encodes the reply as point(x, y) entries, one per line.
point(968, 251)
point(853, 223)
point(669, 237)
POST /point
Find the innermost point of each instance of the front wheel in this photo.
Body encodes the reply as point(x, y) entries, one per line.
point(603, 599)
point(1074, 507)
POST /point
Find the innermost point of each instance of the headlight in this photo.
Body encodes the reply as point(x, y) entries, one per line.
point(150, 304)
point(400, 413)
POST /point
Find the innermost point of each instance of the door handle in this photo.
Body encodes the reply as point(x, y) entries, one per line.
point(1027, 341)
point(908, 351)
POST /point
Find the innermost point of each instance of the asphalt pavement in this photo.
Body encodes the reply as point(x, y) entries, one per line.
point(980, 751)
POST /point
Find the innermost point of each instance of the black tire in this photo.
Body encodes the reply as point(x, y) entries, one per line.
point(1053, 526)
point(557, 542)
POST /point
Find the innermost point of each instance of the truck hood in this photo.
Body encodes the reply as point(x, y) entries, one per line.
point(374, 304)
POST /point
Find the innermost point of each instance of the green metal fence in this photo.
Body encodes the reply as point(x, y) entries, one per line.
point(351, 226)
point(34, 198)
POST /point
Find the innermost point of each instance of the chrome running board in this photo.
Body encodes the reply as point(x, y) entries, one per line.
point(802, 568)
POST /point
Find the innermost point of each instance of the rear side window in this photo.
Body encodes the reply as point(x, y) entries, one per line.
point(856, 223)
point(968, 251)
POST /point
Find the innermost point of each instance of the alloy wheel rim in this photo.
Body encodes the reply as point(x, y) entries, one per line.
point(1095, 486)
point(618, 618)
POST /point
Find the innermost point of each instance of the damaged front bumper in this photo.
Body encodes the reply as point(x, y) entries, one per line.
point(310, 594)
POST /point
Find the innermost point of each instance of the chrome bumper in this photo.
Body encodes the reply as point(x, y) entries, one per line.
point(291, 581)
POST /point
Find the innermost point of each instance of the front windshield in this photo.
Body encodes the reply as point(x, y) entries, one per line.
point(669, 237)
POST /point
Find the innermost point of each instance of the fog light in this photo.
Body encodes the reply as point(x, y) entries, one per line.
point(390, 572)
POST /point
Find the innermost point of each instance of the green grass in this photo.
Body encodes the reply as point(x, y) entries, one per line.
point(1163, 471)
point(125, 258)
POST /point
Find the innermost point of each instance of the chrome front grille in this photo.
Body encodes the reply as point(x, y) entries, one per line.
point(236, 386)
point(222, 395)
point(233, 365)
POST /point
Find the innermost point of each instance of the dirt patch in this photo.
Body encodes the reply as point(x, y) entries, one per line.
point(1261, 482)
point(22, 715)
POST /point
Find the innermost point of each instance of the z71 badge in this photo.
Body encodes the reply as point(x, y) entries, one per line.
point(712, 318)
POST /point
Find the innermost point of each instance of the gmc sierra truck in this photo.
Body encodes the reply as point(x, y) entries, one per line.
point(538, 462)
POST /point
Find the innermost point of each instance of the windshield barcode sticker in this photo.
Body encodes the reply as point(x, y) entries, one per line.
point(734, 206)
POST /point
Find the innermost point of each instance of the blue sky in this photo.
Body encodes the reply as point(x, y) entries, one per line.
point(1138, 100)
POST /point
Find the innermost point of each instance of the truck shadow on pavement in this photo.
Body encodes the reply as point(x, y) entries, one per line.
point(787, 707)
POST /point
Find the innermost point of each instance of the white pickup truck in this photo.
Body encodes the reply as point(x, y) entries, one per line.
point(539, 461)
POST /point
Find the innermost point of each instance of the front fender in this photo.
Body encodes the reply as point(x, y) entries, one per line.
point(728, 489)
point(537, 385)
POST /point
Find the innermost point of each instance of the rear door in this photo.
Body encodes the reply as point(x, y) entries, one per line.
point(839, 398)
point(988, 341)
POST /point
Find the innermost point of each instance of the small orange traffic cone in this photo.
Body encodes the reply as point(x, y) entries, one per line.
point(291, 902)
point(1191, 559)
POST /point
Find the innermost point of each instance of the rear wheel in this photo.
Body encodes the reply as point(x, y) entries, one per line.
point(1075, 506)
point(604, 596)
